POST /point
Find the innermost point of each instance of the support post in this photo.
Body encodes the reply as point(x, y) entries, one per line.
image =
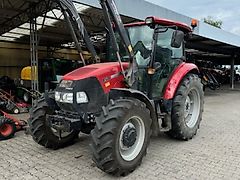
point(232, 73)
point(34, 54)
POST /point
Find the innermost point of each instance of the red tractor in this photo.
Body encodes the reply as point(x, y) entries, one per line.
point(121, 104)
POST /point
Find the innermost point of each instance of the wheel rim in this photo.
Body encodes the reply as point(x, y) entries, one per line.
point(6, 130)
point(131, 139)
point(192, 108)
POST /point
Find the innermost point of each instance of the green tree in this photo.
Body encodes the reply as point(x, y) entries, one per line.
point(213, 22)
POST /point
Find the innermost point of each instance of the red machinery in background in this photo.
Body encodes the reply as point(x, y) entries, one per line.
point(9, 125)
point(11, 104)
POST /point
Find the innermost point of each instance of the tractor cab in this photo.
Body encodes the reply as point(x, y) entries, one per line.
point(158, 46)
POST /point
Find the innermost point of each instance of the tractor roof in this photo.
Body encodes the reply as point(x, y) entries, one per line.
point(165, 22)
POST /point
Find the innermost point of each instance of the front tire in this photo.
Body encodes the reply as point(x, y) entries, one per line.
point(41, 132)
point(187, 108)
point(121, 136)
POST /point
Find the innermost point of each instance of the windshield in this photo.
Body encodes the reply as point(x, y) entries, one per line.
point(141, 38)
point(142, 34)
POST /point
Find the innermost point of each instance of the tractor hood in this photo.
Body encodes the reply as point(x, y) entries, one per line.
point(108, 74)
point(95, 70)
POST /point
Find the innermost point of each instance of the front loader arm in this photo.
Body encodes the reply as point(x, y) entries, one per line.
point(77, 28)
point(111, 15)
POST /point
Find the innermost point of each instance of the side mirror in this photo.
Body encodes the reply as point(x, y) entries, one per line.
point(177, 39)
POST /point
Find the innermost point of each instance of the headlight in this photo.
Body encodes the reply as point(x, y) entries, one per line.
point(81, 97)
point(57, 96)
point(67, 98)
point(64, 97)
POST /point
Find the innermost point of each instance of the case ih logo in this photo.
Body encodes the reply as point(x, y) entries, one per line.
point(65, 84)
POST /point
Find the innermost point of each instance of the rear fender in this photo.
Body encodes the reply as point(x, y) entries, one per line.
point(124, 92)
point(178, 74)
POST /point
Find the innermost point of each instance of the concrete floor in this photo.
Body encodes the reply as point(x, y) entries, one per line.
point(213, 154)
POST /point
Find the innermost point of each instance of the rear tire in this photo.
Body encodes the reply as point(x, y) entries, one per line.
point(187, 108)
point(7, 128)
point(42, 132)
point(121, 136)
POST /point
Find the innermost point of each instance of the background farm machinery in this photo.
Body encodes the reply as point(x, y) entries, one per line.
point(214, 75)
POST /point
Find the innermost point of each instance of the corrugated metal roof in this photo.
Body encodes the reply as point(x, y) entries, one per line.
point(54, 30)
point(140, 9)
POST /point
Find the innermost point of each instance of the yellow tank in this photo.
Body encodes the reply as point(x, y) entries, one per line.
point(86, 55)
point(26, 73)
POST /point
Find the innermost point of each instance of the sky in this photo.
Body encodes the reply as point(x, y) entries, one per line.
point(226, 10)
